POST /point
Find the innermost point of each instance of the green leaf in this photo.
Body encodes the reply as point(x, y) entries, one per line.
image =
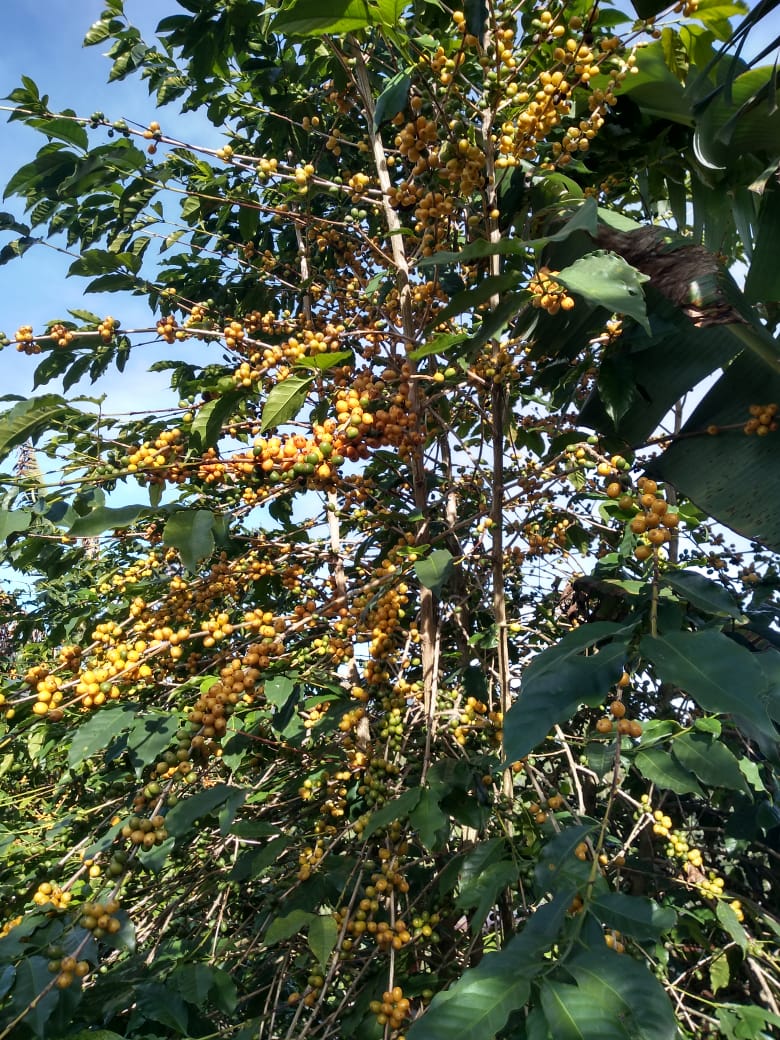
point(396, 809)
point(740, 121)
point(182, 816)
point(13, 520)
point(710, 760)
point(730, 923)
point(285, 927)
point(313, 18)
point(63, 129)
point(657, 765)
point(613, 998)
point(478, 1004)
point(98, 731)
point(720, 973)
point(762, 283)
point(558, 681)
point(558, 869)
point(104, 518)
point(482, 891)
point(162, 1004)
point(429, 820)
point(435, 570)
point(191, 531)
point(322, 936)
point(284, 401)
point(716, 672)
point(207, 424)
point(607, 280)
point(393, 98)
point(279, 690)
point(150, 734)
point(328, 359)
point(703, 593)
point(254, 863)
point(31, 418)
point(745, 1021)
point(438, 345)
point(721, 473)
point(32, 977)
point(193, 982)
point(642, 919)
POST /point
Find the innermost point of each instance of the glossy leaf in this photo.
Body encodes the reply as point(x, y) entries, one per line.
point(716, 672)
point(31, 418)
point(477, 1006)
point(658, 766)
point(191, 532)
point(285, 401)
point(98, 731)
point(322, 935)
point(612, 998)
point(636, 916)
point(393, 98)
point(182, 816)
point(207, 425)
point(12, 521)
point(106, 518)
point(606, 280)
point(290, 924)
point(560, 679)
point(312, 17)
point(435, 570)
point(697, 465)
point(710, 760)
point(704, 593)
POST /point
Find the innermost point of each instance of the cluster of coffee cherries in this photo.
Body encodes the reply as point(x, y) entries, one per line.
point(145, 832)
point(48, 893)
point(392, 1010)
point(100, 918)
point(547, 294)
point(168, 329)
point(61, 335)
point(711, 885)
point(653, 521)
point(763, 419)
point(25, 340)
point(617, 720)
point(68, 969)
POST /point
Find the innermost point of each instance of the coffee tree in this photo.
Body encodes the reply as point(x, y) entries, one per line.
point(415, 673)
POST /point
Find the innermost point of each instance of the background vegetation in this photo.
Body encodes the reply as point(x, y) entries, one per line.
point(415, 673)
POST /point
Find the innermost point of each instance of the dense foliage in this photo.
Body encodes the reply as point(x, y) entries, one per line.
point(416, 673)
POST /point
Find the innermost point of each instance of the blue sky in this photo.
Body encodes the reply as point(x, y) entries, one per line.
point(44, 41)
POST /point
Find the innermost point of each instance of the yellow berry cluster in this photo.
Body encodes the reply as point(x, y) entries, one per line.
point(50, 893)
point(67, 970)
point(712, 885)
point(614, 940)
point(168, 329)
point(61, 335)
point(763, 419)
point(392, 1010)
point(158, 454)
point(547, 294)
point(107, 328)
point(654, 521)
point(25, 341)
point(617, 720)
